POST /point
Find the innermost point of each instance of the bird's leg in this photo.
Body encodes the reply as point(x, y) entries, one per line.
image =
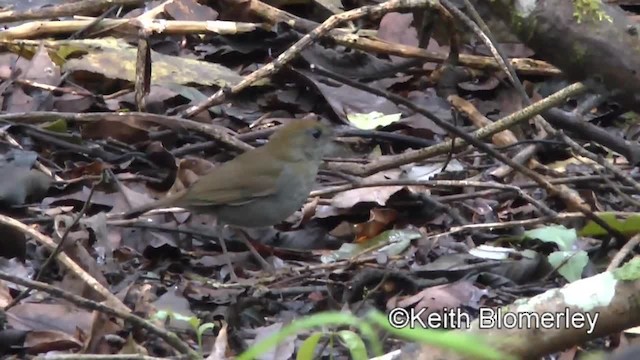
point(225, 253)
point(263, 263)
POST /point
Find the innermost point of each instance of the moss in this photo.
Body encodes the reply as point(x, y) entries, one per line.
point(522, 26)
point(590, 8)
point(579, 52)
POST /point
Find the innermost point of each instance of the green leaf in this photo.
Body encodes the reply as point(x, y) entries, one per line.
point(592, 229)
point(372, 120)
point(355, 344)
point(308, 347)
point(470, 345)
point(565, 238)
point(572, 268)
point(162, 315)
point(193, 321)
point(465, 344)
point(391, 242)
point(201, 329)
point(322, 319)
point(631, 226)
point(59, 126)
point(628, 271)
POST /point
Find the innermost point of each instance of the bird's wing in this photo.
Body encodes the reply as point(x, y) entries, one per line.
point(233, 184)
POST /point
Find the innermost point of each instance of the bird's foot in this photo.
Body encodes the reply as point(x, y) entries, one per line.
point(225, 253)
point(263, 263)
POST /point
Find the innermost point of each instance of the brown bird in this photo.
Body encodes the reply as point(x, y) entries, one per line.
point(259, 188)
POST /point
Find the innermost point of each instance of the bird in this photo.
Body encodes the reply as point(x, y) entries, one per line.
point(259, 188)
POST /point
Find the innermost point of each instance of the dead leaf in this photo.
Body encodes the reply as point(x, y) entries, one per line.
point(38, 342)
point(115, 59)
point(379, 220)
point(190, 10)
point(443, 298)
point(378, 195)
point(219, 350)
point(124, 130)
point(40, 316)
point(19, 184)
point(285, 348)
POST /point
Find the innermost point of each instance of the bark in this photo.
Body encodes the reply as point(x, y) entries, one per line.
point(615, 302)
point(602, 49)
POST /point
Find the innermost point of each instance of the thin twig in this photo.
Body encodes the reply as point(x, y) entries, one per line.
point(454, 130)
point(624, 251)
point(66, 261)
point(57, 250)
point(486, 36)
point(283, 59)
point(171, 338)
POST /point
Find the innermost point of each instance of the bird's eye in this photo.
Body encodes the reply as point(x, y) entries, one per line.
point(316, 133)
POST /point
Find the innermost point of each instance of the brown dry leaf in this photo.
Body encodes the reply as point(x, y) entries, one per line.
point(36, 316)
point(379, 220)
point(429, 99)
point(135, 198)
point(484, 210)
point(153, 245)
point(38, 342)
point(197, 292)
point(220, 346)
point(15, 267)
point(93, 168)
point(125, 130)
point(116, 59)
point(562, 165)
point(443, 298)
point(189, 170)
point(307, 212)
point(489, 83)
point(101, 325)
point(397, 28)
point(160, 156)
point(42, 69)
point(285, 348)
point(75, 248)
point(378, 194)
point(79, 198)
point(39, 69)
point(141, 297)
point(75, 103)
point(131, 347)
point(5, 295)
point(345, 99)
point(343, 230)
point(508, 101)
point(197, 165)
point(190, 10)
point(19, 184)
point(156, 99)
point(32, 5)
point(108, 238)
point(19, 101)
point(575, 200)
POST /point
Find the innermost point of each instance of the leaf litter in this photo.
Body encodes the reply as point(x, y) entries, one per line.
point(359, 247)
